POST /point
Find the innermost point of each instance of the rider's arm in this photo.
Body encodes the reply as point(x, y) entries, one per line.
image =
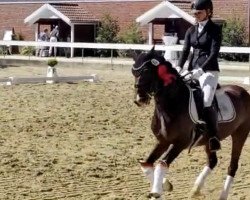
point(186, 49)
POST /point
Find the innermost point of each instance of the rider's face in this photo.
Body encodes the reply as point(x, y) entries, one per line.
point(201, 15)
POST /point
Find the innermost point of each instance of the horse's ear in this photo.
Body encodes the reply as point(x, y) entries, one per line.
point(133, 54)
point(152, 50)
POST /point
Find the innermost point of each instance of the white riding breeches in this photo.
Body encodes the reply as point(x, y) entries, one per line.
point(208, 83)
point(52, 39)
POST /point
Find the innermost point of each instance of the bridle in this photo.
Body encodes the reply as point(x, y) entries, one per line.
point(138, 71)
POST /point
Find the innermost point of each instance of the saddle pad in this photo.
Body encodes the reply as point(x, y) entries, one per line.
point(226, 108)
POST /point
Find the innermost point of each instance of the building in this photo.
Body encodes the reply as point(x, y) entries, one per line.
point(86, 15)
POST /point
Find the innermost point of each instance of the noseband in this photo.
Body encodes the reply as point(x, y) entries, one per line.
point(137, 71)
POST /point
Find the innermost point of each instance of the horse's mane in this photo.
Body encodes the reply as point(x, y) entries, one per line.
point(173, 95)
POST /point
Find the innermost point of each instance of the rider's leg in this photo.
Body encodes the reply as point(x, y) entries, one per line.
point(208, 82)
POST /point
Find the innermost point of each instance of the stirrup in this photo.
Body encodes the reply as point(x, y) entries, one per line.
point(214, 144)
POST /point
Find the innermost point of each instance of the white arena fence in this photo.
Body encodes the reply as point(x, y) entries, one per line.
point(115, 46)
point(145, 47)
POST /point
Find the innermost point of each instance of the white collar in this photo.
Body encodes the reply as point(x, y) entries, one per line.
point(203, 23)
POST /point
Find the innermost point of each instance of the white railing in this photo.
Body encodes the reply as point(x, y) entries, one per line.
point(115, 46)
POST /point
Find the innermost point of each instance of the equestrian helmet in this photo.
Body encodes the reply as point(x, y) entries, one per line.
point(202, 5)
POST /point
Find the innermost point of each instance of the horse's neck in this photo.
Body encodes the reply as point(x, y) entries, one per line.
point(173, 100)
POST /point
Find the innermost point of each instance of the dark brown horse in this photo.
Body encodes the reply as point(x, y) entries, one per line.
point(173, 126)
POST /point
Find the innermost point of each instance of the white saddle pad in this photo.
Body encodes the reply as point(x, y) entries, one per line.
point(226, 108)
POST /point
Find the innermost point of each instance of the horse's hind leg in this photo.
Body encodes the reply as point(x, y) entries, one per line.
point(237, 145)
point(211, 163)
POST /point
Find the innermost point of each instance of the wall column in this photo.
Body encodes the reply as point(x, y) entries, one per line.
point(37, 31)
point(150, 33)
point(72, 39)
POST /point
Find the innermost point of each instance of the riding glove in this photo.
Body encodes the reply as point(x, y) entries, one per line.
point(186, 74)
point(196, 73)
point(178, 69)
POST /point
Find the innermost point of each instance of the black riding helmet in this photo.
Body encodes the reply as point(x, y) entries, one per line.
point(202, 5)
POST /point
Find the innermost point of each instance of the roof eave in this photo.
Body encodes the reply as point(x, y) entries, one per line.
point(36, 15)
point(160, 11)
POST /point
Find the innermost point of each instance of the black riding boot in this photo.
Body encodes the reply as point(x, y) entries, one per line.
point(210, 117)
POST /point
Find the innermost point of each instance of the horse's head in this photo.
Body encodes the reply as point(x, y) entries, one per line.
point(151, 72)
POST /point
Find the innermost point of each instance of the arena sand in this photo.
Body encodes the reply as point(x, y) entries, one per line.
point(83, 141)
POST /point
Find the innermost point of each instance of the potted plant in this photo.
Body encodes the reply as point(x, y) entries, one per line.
point(51, 70)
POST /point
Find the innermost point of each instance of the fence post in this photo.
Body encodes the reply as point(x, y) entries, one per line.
point(82, 55)
point(111, 58)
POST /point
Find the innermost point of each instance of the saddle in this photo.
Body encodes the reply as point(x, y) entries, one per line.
point(221, 103)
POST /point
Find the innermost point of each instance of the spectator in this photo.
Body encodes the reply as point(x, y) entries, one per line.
point(53, 38)
point(67, 49)
point(170, 39)
point(42, 37)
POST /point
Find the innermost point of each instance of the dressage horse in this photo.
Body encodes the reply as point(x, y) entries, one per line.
point(173, 127)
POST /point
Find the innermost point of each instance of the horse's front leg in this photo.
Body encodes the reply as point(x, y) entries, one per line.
point(161, 169)
point(211, 163)
point(147, 166)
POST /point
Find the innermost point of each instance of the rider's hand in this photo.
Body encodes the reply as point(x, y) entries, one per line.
point(178, 69)
point(185, 72)
point(196, 73)
point(187, 75)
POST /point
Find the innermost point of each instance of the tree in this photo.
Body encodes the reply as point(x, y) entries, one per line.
point(108, 31)
point(132, 35)
point(234, 34)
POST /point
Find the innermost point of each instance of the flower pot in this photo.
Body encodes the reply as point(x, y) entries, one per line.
point(52, 73)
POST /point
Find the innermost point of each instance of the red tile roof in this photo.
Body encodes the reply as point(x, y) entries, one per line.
point(185, 5)
point(75, 13)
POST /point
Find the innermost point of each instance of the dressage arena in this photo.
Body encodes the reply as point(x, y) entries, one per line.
point(83, 141)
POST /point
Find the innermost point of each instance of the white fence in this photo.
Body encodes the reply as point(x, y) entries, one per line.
point(113, 46)
point(245, 50)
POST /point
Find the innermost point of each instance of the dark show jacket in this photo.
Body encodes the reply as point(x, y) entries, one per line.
point(206, 47)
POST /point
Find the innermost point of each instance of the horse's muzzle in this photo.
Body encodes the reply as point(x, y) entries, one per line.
point(141, 101)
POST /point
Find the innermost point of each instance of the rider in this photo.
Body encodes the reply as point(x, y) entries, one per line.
point(205, 38)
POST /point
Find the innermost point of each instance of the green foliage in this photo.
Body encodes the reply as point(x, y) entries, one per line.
point(52, 62)
point(132, 35)
point(2, 50)
point(28, 51)
point(107, 33)
point(18, 36)
point(234, 34)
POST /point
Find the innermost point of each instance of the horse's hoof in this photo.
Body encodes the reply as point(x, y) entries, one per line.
point(167, 186)
point(196, 192)
point(223, 195)
point(155, 196)
point(145, 164)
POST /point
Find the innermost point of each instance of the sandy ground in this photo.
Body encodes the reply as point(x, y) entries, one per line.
point(83, 141)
